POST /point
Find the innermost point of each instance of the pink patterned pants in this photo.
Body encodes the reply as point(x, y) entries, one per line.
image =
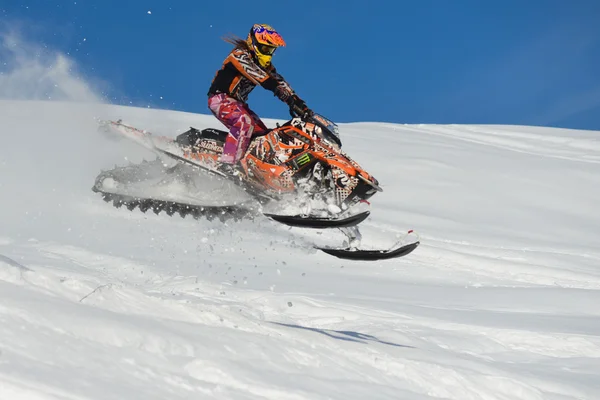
point(241, 122)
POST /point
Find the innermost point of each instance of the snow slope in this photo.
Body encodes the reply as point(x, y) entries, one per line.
point(501, 300)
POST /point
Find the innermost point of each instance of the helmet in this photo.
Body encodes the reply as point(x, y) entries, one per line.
point(263, 40)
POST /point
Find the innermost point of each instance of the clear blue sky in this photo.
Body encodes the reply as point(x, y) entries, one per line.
point(527, 62)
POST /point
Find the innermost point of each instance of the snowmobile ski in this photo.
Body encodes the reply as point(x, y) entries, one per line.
point(319, 222)
point(370, 255)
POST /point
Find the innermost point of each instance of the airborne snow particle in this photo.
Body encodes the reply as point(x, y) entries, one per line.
point(289, 303)
point(149, 12)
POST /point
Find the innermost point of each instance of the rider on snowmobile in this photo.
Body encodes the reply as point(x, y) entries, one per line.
point(248, 64)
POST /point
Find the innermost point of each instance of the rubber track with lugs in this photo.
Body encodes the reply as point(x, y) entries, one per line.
point(136, 172)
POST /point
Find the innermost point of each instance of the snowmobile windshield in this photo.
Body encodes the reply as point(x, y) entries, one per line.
point(329, 130)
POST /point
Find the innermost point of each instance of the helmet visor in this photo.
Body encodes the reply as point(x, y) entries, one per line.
point(267, 36)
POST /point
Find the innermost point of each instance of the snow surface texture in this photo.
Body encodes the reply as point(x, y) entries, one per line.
point(501, 300)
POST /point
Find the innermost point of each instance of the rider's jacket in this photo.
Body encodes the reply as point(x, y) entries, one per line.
point(241, 73)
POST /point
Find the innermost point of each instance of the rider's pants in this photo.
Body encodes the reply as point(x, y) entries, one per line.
point(241, 122)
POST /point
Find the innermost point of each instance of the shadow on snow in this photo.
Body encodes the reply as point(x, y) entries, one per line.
point(349, 336)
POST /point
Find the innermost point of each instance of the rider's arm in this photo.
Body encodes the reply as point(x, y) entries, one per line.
point(285, 92)
point(280, 87)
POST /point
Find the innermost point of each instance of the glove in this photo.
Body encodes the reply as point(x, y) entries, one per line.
point(298, 107)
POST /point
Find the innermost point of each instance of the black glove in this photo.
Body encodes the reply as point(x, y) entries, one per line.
point(298, 107)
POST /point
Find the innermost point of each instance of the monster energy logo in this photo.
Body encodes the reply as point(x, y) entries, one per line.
point(303, 159)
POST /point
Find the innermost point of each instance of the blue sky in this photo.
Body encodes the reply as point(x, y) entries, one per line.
point(525, 62)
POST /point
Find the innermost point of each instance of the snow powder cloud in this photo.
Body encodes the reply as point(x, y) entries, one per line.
point(32, 72)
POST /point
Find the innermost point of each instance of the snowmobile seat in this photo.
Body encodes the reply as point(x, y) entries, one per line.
point(191, 136)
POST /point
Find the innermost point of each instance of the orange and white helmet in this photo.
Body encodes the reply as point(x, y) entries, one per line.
point(264, 40)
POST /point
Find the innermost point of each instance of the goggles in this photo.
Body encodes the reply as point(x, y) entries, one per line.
point(265, 49)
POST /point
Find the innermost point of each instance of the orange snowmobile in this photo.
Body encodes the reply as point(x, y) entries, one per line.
point(300, 162)
point(302, 157)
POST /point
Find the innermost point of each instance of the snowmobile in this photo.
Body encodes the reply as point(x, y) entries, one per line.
point(298, 166)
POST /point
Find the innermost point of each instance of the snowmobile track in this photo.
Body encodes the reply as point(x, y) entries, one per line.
point(139, 172)
point(222, 213)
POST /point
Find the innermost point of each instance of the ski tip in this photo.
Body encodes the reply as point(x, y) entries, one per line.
point(371, 255)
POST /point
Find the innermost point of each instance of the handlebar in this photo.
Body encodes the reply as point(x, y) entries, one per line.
point(298, 113)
